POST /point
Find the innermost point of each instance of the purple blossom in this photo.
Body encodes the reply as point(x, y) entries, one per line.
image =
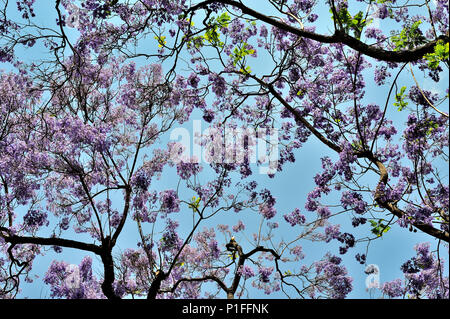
point(169, 201)
point(335, 276)
point(214, 248)
point(353, 200)
point(263, 31)
point(298, 252)
point(239, 227)
point(186, 169)
point(356, 221)
point(382, 12)
point(295, 218)
point(312, 17)
point(332, 232)
point(381, 74)
point(208, 116)
point(218, 84)
point(267, 211)
point(193, 80)
point(361, 258)
point(34, 219)
point(421, 96)
point(264, 273)
point(73, 282)
point(324, 212)
point(246, 272)
point(423, 274)
point(393, 288)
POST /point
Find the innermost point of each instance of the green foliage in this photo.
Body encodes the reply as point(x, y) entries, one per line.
point(161, 41)
point(400, 102)
point(238, 56)
point(349, 23)
point(378, 227)
point(195, 203)
point(212, 35)
point(223, 20)
point(357, 145)
point(409, 37)
point(301, 92)
point(441, 53)
point(431, 125)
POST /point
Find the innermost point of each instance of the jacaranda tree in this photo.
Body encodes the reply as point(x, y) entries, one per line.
point(90, 90)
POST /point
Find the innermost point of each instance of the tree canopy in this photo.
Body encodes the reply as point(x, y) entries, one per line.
point(96, 94)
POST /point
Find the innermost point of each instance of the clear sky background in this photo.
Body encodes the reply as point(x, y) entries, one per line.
point(290, 187)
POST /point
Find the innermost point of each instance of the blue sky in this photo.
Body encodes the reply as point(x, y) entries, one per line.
point(290, 187)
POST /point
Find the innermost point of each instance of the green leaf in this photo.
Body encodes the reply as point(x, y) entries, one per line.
point(441, 53)
point(161, 41)
point(378, 227)
point(223, 20)
point(195, 203)
point(409, 37)
point(349, 23)
point(400, 102)
point(240, 52)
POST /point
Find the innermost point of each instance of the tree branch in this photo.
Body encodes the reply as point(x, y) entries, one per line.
point(338, 37)
point(53, 241)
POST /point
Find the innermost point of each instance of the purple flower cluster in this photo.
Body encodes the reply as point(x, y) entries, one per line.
point(218, 84)
point(264, 273)
point(393, 288)
point(423, 274)
point(413, 214)
point(335, 276)
point(353, 200)
point(246, 272)
point(324, 212)
point(422, 97)
point(348, 240)
point(382, 12)
point(295, 218)
point(193, 80)
point(267, 211)
point(267, 208)
point(186, 169)
point(361, 258)
point(297, 251)
point(170, 240)
point(214, 248)
point(239, 227)
point(381, 74)
point(208, 115)
point(140, 180)
point(332, 232)
point(35, 219)
point(346, 157)
point(356, 221)
point(169, 201)
point(73, 282)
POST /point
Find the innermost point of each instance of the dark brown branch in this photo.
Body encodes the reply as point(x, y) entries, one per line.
point(108, 268)
point(126, 209)
point(338, 37)
point(428, 229)
point(233, 245)
point(104, 251)
point(300, 118)
point(53, 241)
point(156, 285)
point(205, 278)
